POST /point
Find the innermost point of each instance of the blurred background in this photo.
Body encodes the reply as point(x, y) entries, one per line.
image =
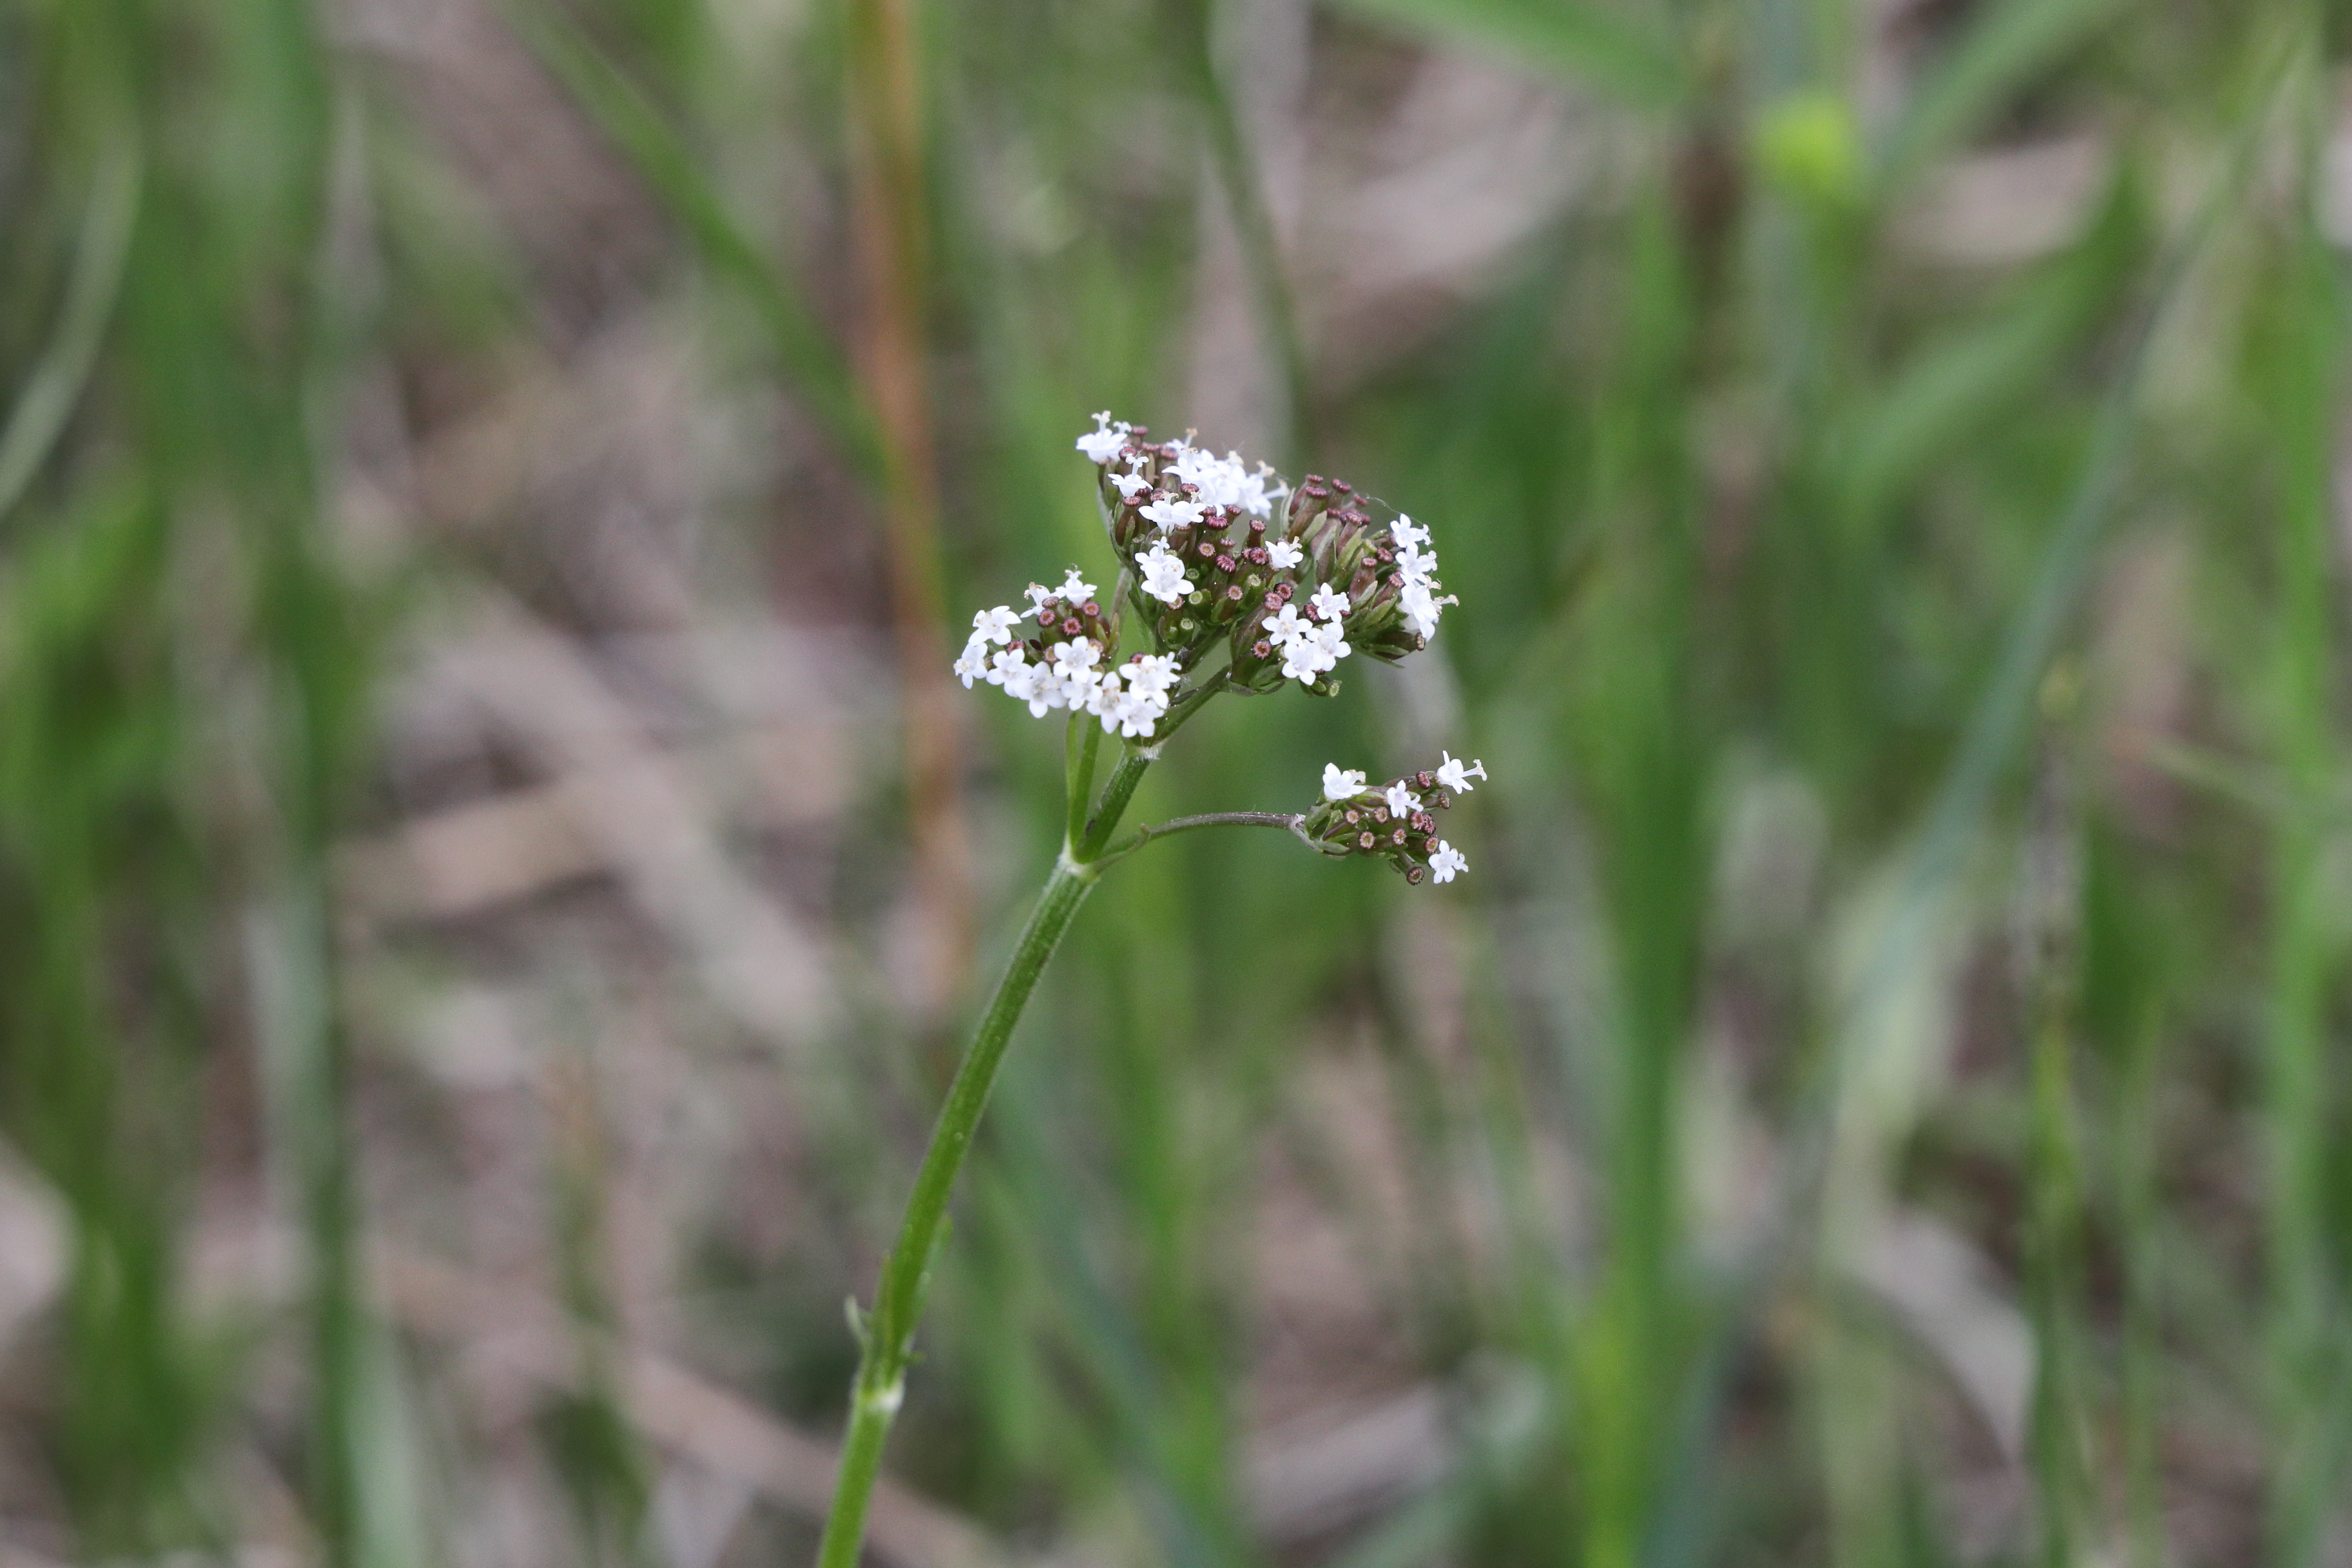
point(494, 870)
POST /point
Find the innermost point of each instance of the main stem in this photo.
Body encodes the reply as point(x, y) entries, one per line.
point(888, 1335)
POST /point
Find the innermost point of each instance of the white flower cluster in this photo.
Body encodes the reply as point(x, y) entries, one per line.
point(1130, 698)
point(1163, 575)
point(1226, 481)
point(1393, 820)
point(1311, 644)
point(1418, 566)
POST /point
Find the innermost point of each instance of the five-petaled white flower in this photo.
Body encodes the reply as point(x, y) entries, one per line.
point(1155, 673)
point(1010, 669)
point(1401, 802)
point(1103, 443)
point(1406, 533)
point(1328, 606)
point(1453, 776)
point(1341, 783)
point(995, 626)
point(1170, 512)
point(973, 663)
point(1447, 863)
point(1130, 485)
point(1420, 607)
point(1037, 593)
point(1075, 589)
point(1283, 555)
point(1163, 574)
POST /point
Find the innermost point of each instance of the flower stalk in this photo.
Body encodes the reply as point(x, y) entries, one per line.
point(887, 1336)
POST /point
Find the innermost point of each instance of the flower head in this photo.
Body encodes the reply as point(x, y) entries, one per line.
point(1395, 822)
point(1293, 579)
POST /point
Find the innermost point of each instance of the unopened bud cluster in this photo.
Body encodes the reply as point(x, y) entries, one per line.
point(1395, 821)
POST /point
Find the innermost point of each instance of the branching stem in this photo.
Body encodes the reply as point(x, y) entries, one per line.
point(887, 1337)
point(1289, 822)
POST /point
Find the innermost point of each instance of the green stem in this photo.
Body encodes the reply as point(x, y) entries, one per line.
point(890, 1333)
point(887, 1337)
point(1289, 822)
point(1078, 768)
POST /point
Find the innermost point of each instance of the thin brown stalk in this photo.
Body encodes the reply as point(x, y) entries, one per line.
point(893, 247)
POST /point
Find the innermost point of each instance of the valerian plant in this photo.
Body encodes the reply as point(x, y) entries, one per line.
point(1230, 580)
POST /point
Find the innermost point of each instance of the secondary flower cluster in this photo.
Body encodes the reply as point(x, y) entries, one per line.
point(1394, 820)
point(1063, 667)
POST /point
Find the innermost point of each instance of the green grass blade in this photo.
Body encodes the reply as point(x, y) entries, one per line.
point(48, 400)
point(1565, 38)
point(660, 156)
point(2003, 50)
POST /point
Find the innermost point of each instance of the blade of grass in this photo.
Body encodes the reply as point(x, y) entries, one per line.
point(821, 376)
point(2302, 387)
point(48, 400)
point(2005, 47)
point(1573, 40)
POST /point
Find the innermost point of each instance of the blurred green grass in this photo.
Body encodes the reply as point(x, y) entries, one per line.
point(1878, 1098)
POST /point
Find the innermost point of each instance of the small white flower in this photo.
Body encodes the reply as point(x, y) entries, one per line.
point(995, 626)
point(1416, 565)
point(1222, 481)
point(973, 665)
point(1105, 440)
point(1037, 593)
point(1420, 607)
point(1258, 492)
point(1406, 535)
point(1401, 802)
point(1457, 777)
point(1154, 674)
point(1130, 485)
point(1341, 783)
point(1078, 653)
point(1163, 574)
point(1077, 687)
point(1075, 589)
point(1447, 863)
point(1283, 555)
point(1171, 513)
point(1008, 668)
point(1330, 640)
point(1328, 606)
